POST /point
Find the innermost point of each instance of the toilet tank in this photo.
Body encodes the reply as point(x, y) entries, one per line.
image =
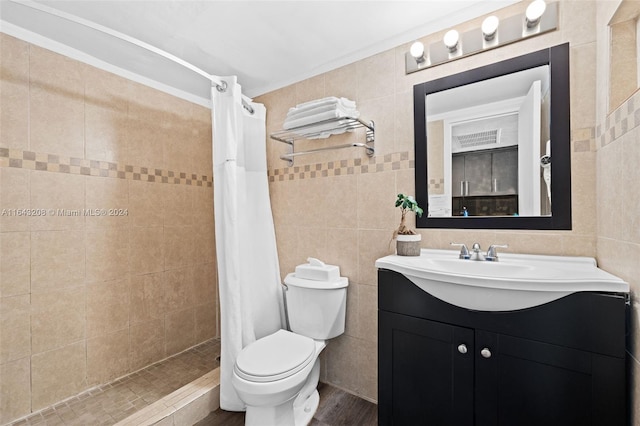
point(316, 309)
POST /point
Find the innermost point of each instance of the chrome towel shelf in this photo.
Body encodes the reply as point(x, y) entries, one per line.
point(341, 124)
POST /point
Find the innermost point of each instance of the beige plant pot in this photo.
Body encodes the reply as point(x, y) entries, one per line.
point(408, 245)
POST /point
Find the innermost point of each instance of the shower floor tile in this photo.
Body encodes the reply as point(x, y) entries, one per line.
point(115, 401)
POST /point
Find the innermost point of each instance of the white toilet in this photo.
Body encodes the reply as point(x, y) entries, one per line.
point(277, 375)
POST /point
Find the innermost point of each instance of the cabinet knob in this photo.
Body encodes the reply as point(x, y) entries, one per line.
point(486, 353)
point(462, 348)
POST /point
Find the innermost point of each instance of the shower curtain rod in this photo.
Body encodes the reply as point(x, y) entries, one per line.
point(216, 81)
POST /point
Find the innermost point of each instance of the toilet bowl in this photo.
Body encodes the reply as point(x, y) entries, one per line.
point(277, 375)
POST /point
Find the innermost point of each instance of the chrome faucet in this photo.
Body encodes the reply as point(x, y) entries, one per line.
point(476, 255)
point(492, 253)
point(464, 251)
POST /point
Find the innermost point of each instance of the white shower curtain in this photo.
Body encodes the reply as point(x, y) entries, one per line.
point(248, 271)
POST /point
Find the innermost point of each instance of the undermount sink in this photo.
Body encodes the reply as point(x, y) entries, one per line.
point(517, 281)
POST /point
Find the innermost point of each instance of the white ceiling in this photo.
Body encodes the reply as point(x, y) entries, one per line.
point(267, 44)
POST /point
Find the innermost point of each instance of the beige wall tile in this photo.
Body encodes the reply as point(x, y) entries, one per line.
point(342, 82)
point(342, 363)
point(205, 317)
point(374, 109)
point(145, 145)
point(146, 203)
point(205, 284)
point(14, 93)
point(368, 312)
point(630, 179)
point(178, 205)
point(107, 357)
point(351, 326)
point(180, 327)
point(146, 343)
point(202, 205)
point(375, 76)
point(107, 307)
point(57, 259)
point(58, 318)
point(62, 195)
point(368, 361)
point(106, 133)
point(58, 374)
point(146, 250)
point(203, 241)
point(107, 254)
point(147, 297)
point(56, 108)
point(15, 389)
point(372, 245)
point(15, 328)
point(310, 89)
point(178, 150)
point(376, 198)
point(342, 250)
point(15, 263)
point(180, 289)
point(339, 193)
point(610, 191)
point(14, 194)
point(623, 63)
point(583, 74)
point(110, 195)
point(178, 247)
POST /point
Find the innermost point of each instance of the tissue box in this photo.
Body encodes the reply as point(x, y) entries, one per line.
point(316, 270)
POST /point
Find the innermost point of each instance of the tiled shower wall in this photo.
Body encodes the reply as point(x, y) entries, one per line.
point(339, 205)
point(618, 172)
point(85, 299)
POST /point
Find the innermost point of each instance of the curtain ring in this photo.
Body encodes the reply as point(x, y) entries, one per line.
point(222, 87)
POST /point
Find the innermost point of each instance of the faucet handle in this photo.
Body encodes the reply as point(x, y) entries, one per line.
point(492, 253)
point(464, 251)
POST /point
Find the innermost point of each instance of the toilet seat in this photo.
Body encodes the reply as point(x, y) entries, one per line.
point(275, 357)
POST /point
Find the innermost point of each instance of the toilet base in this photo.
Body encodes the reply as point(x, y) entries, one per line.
point(304, 413)
point(297, 411)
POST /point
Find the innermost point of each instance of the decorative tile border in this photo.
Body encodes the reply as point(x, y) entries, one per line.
point(78, 166)
point(354, 166)
point(624, 119)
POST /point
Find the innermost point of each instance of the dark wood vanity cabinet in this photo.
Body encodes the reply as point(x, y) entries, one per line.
point(562, 363)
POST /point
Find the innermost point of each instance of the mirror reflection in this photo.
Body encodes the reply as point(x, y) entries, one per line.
point(489, 148)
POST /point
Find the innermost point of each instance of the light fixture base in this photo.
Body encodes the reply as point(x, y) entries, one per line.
point(510, 30)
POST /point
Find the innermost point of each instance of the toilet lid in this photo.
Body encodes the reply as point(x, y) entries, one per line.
point(275, 357)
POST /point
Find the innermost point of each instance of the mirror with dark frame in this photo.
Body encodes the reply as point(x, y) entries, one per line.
point(486, 141)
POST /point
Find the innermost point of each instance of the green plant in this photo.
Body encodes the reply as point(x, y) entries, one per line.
point(406, 203)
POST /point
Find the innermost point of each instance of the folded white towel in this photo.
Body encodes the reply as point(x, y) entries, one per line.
point(316, 118)
point(331, 100)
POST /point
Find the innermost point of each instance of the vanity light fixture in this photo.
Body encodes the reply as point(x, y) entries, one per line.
point(417, 52)
point(534, 12)
point(539, 18)
point(490, 27)
point(451, 39)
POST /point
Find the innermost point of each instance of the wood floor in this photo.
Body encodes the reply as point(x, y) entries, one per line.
point(337, 408)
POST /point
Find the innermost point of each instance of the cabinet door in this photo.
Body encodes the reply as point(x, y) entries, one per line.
point(505, 172)
point(457, 176)
point(425, 372)
point(477, 170)
point(524, 382)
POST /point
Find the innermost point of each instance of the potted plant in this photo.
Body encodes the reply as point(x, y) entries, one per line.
point(407, 240)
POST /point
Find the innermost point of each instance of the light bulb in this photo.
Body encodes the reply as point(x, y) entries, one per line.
point(417, 51)
point(451, 40)
point(534, 12)
point(489, 27)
